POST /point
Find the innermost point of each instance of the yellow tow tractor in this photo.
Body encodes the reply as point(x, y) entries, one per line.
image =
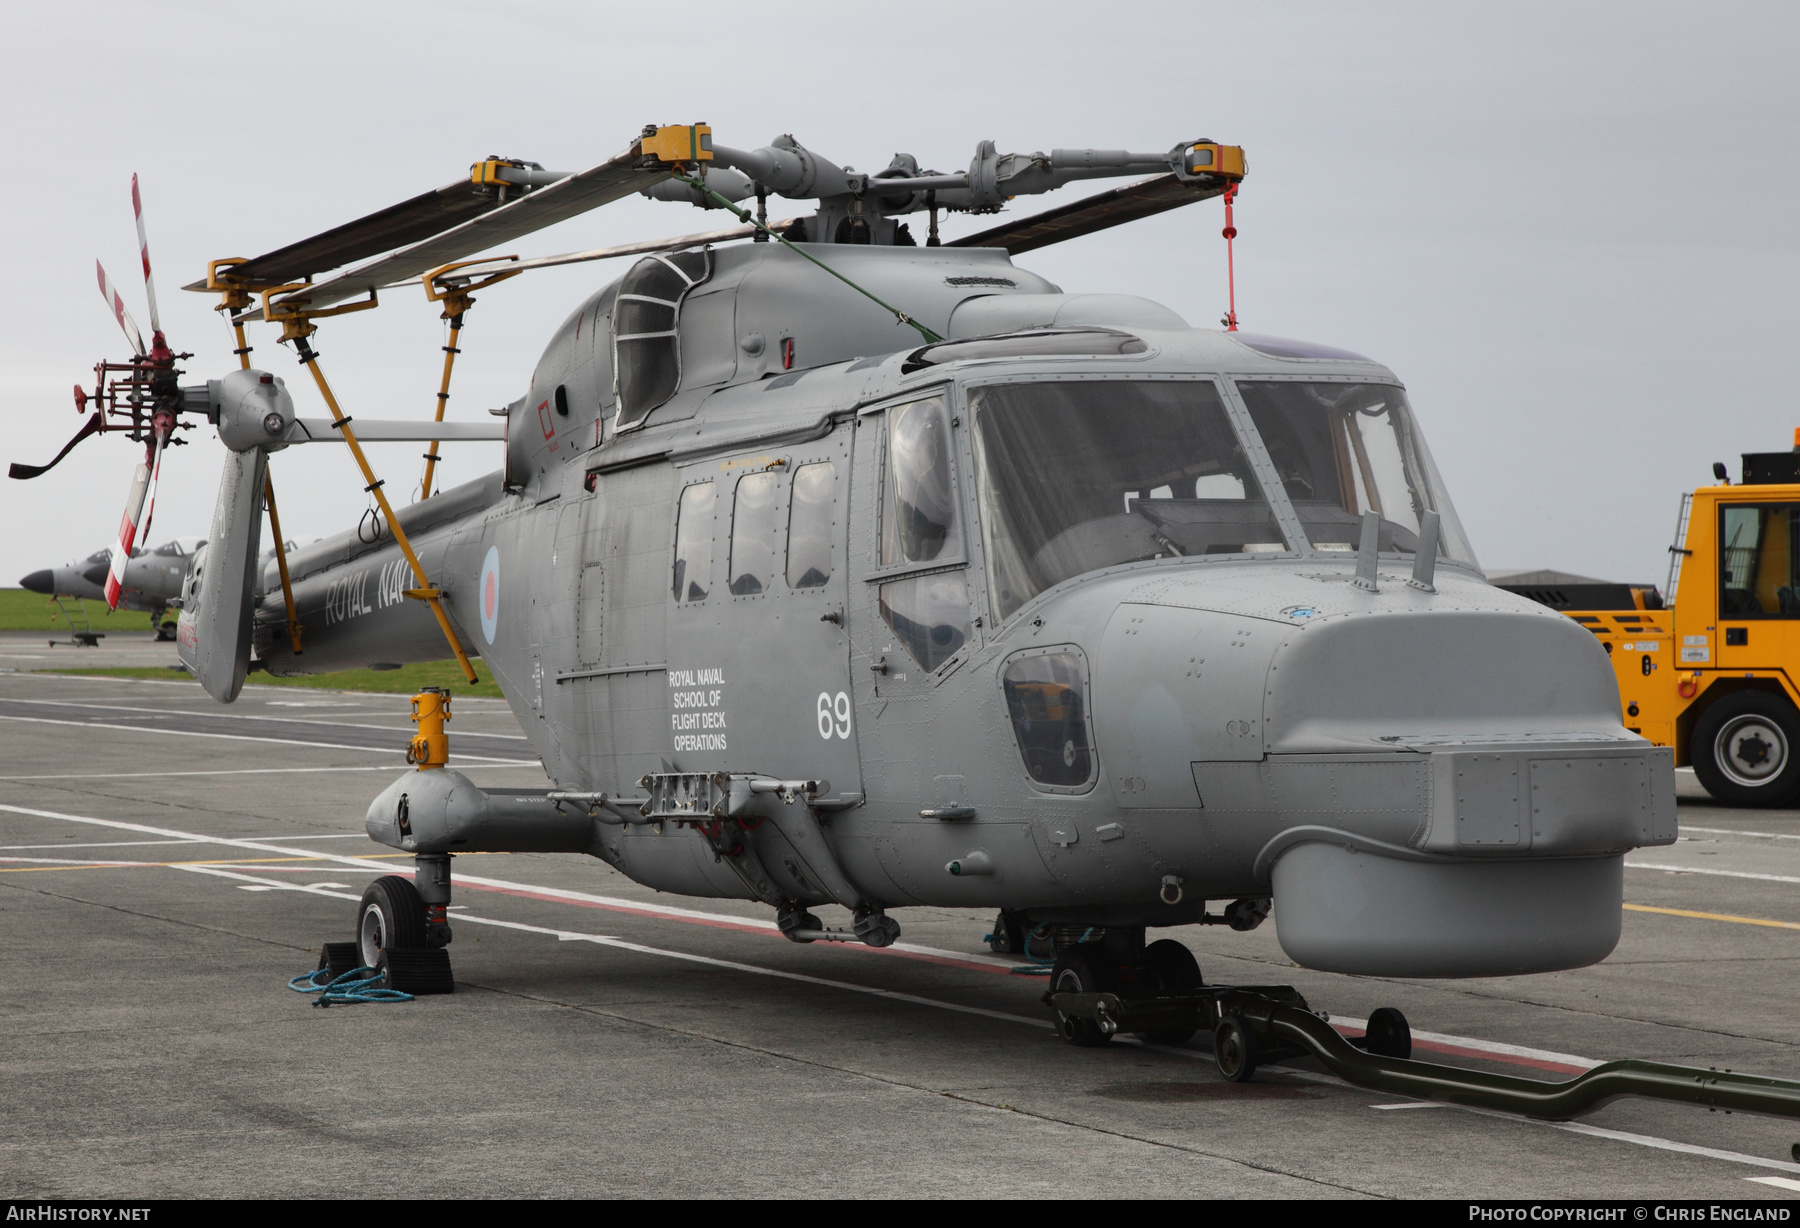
point(1716, 673)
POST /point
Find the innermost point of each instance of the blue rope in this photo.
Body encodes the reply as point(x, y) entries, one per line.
point(347, 989)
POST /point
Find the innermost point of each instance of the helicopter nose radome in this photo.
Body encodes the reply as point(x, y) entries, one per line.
point(39, 582)
point(96, 574)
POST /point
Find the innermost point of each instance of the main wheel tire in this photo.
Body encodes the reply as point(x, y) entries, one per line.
point(1081, 969)
point(391, 915)
point(1007, 936)
point(1172, 966)
point(1388, 1034)
point(1746, 749)
point(1235, 1049)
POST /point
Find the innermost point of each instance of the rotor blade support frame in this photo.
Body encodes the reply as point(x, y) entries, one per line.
point(297, 328)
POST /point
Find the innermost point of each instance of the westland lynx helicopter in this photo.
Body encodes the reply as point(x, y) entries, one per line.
point(829, 568)
point(151, 580)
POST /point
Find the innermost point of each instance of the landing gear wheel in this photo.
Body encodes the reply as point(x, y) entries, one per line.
point(1172, 966)
point(1007, 937)
point(1746, 749)
point(1388, 1034)
point(1235, 1049)
point(391, 915)
point(1081, 970)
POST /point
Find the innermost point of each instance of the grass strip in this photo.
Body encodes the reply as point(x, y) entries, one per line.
point(26, 611)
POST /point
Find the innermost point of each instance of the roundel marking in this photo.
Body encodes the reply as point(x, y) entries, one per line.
point(490, 594)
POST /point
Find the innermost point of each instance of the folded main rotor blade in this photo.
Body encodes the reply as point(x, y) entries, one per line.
point(26, 472)
point(118, 309)
point(1101, 211)
point(617, 177)
point(137, 207)
point(410, 221)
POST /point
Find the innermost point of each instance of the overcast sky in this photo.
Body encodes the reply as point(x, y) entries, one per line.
point(1570, 228)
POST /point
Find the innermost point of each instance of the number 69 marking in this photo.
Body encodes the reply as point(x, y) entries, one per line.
point(834, 715)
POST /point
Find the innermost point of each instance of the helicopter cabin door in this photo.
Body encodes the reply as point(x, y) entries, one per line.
point(759, 673)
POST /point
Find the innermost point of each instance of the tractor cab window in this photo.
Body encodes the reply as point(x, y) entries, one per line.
point(1759, 560)
point(1346, 449)
point(1078, 475)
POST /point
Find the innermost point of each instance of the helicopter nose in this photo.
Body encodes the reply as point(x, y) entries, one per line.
point(96, 575)
point(39, 582)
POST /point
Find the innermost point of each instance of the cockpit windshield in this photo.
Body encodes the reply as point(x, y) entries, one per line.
point(1083, 474)
point(1345, 449)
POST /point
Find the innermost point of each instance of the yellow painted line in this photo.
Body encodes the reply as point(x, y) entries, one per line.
point(1714, 916)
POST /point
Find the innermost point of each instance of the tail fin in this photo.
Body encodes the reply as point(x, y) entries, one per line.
point(213, 635)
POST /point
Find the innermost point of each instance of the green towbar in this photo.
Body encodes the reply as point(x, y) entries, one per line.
point(1254, 1023)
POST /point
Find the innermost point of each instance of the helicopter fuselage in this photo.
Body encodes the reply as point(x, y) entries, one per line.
point(1062, 616)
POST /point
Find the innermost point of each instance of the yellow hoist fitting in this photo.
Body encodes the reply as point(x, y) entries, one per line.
point(1209, 158)
point(685, 144)
point(430, 747)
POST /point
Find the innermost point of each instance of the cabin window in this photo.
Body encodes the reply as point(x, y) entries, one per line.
point(646, 341)
point(1346, 449)
point(694, 543)
point(753, 526)
point(1044, 696)
point(1759, 560)
point(810, 516)
point(929, 615)
point(918, 521)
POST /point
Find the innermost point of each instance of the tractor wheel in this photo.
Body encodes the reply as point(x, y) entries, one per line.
point(1388, 1034)
point(1235, 1049)
point(391, 915)
point(1746, 749)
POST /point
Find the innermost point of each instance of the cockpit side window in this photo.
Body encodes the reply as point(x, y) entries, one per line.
point(694, 543)
point(918, 515)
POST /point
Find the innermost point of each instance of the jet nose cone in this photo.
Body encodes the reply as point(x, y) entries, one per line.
point(96, 575)
point(39, 582)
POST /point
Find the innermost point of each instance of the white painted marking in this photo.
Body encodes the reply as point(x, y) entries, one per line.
point(1485, 1046)
point(462, 765)
point(247, 716)
point(254, 887)
point(1730, 831)
point(241, 737)
point(1763, 878)
point(1617, 1136)
point(1411, 1104)
point(121, 844)
point(73, 861)
point(1780, 1183)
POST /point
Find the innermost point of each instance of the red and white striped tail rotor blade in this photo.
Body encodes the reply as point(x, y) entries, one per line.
point(117, 304)
point(128, 533)
point(143, 533)
point(137, 207)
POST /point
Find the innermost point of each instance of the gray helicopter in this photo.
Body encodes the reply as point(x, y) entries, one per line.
point(152, 579)
point(825, 567)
